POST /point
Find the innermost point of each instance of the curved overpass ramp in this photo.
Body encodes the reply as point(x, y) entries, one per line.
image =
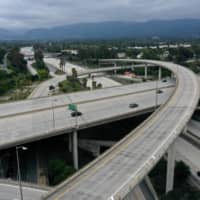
point(121, 168)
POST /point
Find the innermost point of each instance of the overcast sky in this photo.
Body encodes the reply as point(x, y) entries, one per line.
point(47, 13)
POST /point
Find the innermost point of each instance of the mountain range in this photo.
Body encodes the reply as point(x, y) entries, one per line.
point(184, 28)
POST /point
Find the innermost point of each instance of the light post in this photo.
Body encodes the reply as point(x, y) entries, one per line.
point(18, 168)
point(156, 94)
point(53, 112)
point(73, 107)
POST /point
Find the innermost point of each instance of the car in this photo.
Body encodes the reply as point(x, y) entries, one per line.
point(198, 173)
point(76, 113)
point(133, 105)
point(51, 87)
point(159, 91)
point(164, 80)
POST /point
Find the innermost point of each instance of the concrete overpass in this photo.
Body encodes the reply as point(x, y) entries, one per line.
point(114, 174)
point(31, 120)
point(9, 113)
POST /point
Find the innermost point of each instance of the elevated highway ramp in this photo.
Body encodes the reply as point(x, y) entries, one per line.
point(114, 174)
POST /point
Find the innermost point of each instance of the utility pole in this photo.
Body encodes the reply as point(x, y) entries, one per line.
point(73, 108)
point(156, 95)
point(53, 113)
point(18, 168)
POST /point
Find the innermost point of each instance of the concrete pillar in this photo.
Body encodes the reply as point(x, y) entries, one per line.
point(42, 178)
point(185, 129)
point(170, 168)
point(115, 71)
point(70, 142)
point(145, 72)
point(132, 67)
point(75, 149)
point(172, 75)
point(159, 73)
point(91, 82)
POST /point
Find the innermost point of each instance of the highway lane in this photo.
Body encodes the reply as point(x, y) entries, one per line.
point(121, 168)
point(67, 68)
point(104, 81)
point(189, 154)
point(11, 192)
point(31, 69)
point(34, 126)
point(42, 90)
point(32, 105)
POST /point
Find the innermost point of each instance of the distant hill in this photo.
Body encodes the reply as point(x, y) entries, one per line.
point(6, 35)
point(185, 28)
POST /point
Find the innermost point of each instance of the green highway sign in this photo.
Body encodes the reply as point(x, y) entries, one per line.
point(72, 107)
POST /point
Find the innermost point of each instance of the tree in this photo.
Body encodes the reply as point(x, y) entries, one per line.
point(84, 82)
point(38, 55)
point(62, 64)
point(74, 73)
point(43, 74)
point(39, 63)
point(17, 62)
point(184, 54)
point(2, 53)
point(59, 171)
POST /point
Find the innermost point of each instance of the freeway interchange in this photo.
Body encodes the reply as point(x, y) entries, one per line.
point(112, 175)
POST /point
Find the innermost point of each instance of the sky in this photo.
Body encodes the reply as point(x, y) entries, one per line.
point(27, 14)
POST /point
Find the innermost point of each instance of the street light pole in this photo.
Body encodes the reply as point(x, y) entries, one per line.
point(74, 108)
point(156, 95)
point(75, 143)
point(18, 169)
point(53, 113)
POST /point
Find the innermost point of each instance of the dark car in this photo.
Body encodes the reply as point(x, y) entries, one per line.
point(51, 87)
point(133, 105)
point(159, 91)
point(164, 80)
point(76, 113)
point(198, 173)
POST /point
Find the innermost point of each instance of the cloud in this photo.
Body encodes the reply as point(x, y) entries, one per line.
point(47, 13)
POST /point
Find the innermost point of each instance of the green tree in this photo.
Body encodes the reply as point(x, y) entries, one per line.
point(74, 73)
point(184, 54)
point(2, 53)
point(39, 63)
point(43, 74)
point(59, 171)
point(17, 62)
point(38, 55)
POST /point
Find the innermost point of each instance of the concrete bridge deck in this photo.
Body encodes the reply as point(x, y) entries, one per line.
point(114, 174)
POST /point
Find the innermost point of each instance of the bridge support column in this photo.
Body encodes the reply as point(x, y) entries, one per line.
point(159, 73)
point(185, 129)
point(91, 84)
point(170, 168)
point(75, 149)
point(132, 67)
point(145, 72)
point(115, 71)
point(70, 142)
point(41, 166)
